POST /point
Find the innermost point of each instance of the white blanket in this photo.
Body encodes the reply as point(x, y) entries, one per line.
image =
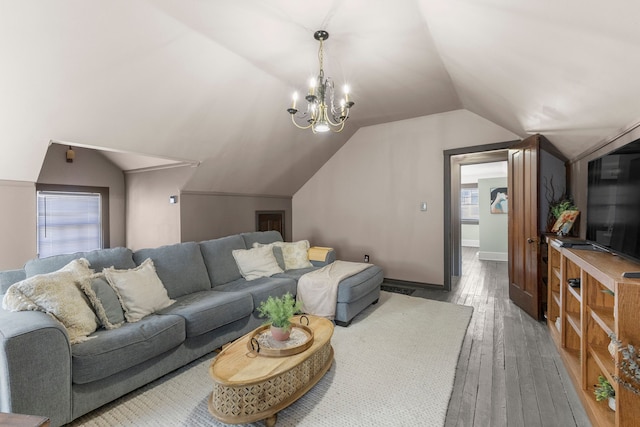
point(318, 290)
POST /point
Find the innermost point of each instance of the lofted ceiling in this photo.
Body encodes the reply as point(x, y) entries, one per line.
point(208, 82)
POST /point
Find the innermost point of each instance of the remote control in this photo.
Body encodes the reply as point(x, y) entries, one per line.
point(631, 274)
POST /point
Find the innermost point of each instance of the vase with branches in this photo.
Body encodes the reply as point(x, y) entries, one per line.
point(558, 203)
point(628, 365)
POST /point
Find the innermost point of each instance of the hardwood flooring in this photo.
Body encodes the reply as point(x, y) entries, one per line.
point(509, 371)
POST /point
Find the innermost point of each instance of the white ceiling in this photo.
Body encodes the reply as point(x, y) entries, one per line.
point(210, 81)
point(470, 174)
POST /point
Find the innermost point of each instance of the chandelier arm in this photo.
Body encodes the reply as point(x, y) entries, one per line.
point(338, 129)
point(293, 120)
point(332, 123)
point(339, 122)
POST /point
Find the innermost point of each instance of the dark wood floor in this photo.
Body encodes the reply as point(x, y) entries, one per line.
point(509, 371)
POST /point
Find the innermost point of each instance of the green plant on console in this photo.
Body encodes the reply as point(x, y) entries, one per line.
point(603, 390)
point(557, 204)
point(629, 366)
point(565, 204)
point(279, 311)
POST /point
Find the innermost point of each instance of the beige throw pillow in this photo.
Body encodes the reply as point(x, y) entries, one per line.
point(58, 294)
point(295, 254)
point(139, 289)
point(256, 262)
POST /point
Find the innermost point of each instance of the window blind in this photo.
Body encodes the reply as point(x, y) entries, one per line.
point(68, 222)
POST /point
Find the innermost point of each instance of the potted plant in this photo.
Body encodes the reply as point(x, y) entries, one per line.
point(604, 390)
point(629, 365)
point(557, 204)
point(279, 311)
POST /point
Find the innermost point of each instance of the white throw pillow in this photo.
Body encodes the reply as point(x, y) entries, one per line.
point(58, 294)
point(295, 254)
point(139, 289)
point(256, 262)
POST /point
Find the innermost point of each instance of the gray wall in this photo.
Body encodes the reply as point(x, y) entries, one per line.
point(151, 220)
point(207, 216)
point(17, 223)
point(90, 168)
point(366, 198)
point(470, 235)
point(493, 227)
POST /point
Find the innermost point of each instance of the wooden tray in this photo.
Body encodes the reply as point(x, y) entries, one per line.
point(257, 345)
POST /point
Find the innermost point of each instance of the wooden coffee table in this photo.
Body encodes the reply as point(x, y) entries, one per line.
point(249, 387)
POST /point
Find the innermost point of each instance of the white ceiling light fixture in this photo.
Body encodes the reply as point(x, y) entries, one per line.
point(322, 114)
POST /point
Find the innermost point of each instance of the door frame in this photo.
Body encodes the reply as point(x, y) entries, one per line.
point(453, 159)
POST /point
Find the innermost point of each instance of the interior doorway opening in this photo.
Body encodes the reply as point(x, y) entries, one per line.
point(484, 207)
point(453, 162)
point(270, 220)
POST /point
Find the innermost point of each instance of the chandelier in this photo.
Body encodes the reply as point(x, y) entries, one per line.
point(322, 114)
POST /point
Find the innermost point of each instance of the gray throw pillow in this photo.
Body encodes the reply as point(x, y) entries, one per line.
point(104, 301)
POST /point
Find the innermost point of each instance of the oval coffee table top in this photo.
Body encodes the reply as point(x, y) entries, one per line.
point(237, 365)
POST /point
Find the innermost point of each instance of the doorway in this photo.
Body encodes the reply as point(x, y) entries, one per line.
point(270, 220)
point(453, 162)
point(483, 211)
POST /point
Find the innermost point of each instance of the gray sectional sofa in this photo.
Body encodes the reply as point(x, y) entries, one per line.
point(42, 374)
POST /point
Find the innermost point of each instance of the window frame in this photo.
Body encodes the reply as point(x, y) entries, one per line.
point(463, 220)
point(104, 203)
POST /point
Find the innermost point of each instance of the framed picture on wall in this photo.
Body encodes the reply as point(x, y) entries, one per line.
point(499, 200)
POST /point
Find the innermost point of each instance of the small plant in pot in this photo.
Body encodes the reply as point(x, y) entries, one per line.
point(604, 391)
point(279, 312)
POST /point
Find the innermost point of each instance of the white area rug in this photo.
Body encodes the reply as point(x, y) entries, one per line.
point(394, 366)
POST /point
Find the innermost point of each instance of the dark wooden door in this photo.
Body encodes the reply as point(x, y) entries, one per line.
point(523, 224)
point(270, 220)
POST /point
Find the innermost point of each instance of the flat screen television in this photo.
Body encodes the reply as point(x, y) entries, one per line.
point(613, 201)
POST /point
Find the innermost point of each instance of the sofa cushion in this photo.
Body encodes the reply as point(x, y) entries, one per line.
point(297, 273)
point(180, 267)
point(218, 257)
point(9, 277)
point(263, 237)
point(257, 262)
point(260, 289)
point(139, 290)
point(104, 300)
point(119, 258)
point(207, 310)
point(49, 264)
point(58, 294)
point(355, 287)
point(119, 349)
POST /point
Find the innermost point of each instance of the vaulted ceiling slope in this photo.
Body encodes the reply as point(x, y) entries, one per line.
point(209, 81)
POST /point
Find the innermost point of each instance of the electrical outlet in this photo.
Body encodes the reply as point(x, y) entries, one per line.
point(366, 258)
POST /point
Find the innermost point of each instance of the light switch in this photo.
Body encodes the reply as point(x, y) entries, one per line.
point(423, 206)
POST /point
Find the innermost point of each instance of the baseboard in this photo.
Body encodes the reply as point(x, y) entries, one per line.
point(410, 284)
point(470, 243)
point(493, 256)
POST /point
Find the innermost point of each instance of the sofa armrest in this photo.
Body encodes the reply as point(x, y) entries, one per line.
point(321, 256)
point(35, 366)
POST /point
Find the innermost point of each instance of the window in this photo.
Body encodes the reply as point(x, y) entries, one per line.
point(469, 209)
point(71, 219)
